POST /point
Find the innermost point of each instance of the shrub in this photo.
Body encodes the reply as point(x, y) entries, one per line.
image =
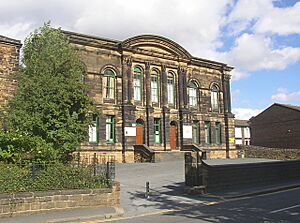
point(43, 177)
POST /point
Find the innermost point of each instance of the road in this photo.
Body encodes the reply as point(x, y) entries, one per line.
point(281, 207)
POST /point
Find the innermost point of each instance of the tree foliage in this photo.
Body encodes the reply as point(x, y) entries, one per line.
point(51, 101)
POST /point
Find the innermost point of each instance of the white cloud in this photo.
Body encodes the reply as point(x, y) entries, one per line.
point(264, 17)
point(197, 25)
point(282, 21)
point(245, 113)
point(253, 52)
point(283, 95)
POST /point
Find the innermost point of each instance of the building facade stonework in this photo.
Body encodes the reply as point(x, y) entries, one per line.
point(150, 91)
point(9, 63)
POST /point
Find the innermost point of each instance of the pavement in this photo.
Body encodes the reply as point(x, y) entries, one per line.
point(167, 193)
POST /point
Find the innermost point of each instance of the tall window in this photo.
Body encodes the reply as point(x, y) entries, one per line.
point(109, 84)
point(157, 130)
point(218, 133)
point(192, 90)
point(137, 84)
point(110, 129)
point(170, 89)
point(93, 130)
point(196, 132)
point(214, 98)
point(207, 133)
point(154, 87)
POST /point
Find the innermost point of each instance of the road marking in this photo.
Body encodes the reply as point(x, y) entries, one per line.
point(284, 209)
point(131, 217)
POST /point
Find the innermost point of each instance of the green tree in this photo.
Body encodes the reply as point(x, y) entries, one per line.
point(51, 101)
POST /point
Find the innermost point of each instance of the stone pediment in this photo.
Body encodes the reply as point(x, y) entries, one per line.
point(157, 44)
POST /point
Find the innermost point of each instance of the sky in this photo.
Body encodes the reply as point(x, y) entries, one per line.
point(259, 38)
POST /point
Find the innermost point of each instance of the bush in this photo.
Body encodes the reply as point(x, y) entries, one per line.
point(43, 177)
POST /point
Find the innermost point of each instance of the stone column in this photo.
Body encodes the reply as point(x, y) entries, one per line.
point(148, 101)
point(128, 75)
point(227, 108)
point(164, 102)
point(181, 101)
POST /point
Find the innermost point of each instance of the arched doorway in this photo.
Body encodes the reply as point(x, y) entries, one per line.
point(173, 135)
point(139, 139)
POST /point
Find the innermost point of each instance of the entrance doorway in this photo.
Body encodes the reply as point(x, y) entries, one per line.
point(173, 135)
point(139, 139)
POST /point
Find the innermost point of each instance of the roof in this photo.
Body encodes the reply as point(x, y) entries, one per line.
point(9, 40)
point(239, 122)
point(294, 107)
point(142, 40)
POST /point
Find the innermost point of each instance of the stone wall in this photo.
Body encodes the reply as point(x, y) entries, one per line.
point(9, 64)
point(247, 175)
point(268, 153)
point(32, 202)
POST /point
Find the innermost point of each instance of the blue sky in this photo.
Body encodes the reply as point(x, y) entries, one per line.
point(260, 38)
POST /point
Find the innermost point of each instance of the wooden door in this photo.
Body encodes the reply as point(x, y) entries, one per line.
point(173, 137)
point(139, 135)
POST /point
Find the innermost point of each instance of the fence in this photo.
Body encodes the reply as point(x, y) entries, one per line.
point(55, 176)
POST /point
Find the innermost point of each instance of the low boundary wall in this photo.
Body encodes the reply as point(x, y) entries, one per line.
point(268, 153)
point(32, 202)
point(230, 176)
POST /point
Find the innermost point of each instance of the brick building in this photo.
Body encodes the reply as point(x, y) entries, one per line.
point(149, 91)
point(277, 127)
point(9, 63)
point(242, 132)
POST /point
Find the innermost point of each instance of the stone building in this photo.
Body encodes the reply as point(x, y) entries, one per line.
point(9, 63)
point(150, 91)
point(277, 127)
point(242, 132)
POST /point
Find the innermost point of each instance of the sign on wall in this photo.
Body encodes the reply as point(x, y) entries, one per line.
point(130, 131)
point(187, 132)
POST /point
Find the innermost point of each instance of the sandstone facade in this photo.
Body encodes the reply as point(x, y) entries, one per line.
point(182, 99)
point(9, 64)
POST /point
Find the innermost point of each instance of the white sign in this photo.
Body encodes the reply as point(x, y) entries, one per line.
point(187, 132)
point(130, 131)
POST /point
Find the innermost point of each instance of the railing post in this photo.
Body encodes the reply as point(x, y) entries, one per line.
point(32, 170)
point(94, 161)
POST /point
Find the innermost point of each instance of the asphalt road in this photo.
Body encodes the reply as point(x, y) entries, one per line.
point(281, 207)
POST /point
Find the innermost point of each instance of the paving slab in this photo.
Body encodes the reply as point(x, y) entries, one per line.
point(67, 215)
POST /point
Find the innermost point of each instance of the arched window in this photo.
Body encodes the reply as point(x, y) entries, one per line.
point(214, 98)
point(193, 94)
point(170, 89)
point(109, 82)
point(154, 87)
point(137, 84)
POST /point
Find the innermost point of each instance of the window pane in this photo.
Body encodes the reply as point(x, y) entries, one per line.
point(207, 133)
point(170, 89)
point(93, 130)
point(192, 96)
point(137, 87)
point(154, 89)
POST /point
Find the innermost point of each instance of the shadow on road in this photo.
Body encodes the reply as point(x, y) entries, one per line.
point(205, 208)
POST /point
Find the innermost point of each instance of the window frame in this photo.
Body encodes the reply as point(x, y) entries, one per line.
point(157, 124)
point(95, 126)
point(111, 124)
point(193, 100)
point(137, 71)
point(218, 133)
point(171, 77)
point(196, 129)
point(207, 132)
point(214, 98)
point(110, 91)
point(154, 74)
